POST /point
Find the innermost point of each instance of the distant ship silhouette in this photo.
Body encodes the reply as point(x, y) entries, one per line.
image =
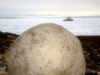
point(68, 19)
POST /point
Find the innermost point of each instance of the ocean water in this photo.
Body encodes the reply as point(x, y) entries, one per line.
point(79, 26)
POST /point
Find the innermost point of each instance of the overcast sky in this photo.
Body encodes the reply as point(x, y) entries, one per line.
point(50, 7)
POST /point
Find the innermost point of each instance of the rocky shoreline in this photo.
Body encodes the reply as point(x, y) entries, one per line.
point(90, 46)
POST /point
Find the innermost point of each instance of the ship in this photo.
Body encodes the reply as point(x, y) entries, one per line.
point(68, 19)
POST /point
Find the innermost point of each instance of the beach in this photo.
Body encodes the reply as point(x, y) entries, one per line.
point(90, 46)
point(79, 17)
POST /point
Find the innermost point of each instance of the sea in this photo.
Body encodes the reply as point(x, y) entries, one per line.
point(80, 26)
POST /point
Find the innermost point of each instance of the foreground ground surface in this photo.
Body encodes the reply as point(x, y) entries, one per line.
point(90, 44)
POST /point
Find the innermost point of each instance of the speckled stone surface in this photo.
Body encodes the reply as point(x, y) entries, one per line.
point(46, 49)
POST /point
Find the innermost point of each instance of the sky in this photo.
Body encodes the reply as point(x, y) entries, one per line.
point(50, 7)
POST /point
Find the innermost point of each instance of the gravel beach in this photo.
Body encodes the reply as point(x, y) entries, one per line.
point(90, 46)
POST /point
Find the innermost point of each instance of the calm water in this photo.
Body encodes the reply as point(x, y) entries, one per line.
point(79, 26)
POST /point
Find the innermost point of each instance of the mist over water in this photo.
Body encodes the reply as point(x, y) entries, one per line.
point(79, 25)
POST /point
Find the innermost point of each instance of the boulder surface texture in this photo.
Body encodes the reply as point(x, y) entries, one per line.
point(46, 49)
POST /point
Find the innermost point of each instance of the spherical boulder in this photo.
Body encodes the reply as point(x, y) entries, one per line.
point(46, 49)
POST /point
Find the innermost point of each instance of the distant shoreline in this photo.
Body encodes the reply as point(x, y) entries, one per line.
point(79, 36)
point(43, 16)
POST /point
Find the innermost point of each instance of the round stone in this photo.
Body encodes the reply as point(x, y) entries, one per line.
point(46, 49)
